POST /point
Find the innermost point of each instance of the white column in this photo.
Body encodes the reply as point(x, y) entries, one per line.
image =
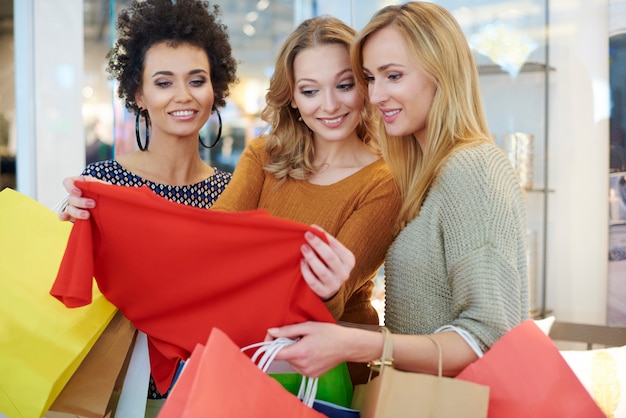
point(48, 87)
point(26, 169)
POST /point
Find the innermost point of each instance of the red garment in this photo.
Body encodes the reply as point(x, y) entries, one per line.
point(177, 271)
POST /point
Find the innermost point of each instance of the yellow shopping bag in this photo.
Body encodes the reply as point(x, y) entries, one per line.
point(42, 342)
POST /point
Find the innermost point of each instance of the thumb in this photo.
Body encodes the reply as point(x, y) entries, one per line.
point(272, 333)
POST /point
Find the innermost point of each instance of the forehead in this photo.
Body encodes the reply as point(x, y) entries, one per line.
point(165, 55)
point(323, 58)
point(385, 44)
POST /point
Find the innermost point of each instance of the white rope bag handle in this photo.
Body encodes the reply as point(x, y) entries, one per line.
point(267, 351)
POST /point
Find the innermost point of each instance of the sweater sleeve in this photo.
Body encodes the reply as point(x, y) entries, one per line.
point(484, 236)
point(244, 190)
point(368, 232)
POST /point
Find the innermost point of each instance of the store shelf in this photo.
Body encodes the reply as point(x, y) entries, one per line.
point(540, 190)
point(528, 67)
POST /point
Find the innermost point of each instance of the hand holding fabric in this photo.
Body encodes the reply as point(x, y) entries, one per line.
point(77, 206)
point(325, 266)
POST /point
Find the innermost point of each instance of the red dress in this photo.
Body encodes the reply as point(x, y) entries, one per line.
point(176, 271)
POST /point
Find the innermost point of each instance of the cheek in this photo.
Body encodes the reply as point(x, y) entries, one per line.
point(305, 107)
point(355, 101)
point(205, 94)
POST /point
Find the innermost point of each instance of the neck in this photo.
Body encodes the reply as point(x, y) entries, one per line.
point(340, 154)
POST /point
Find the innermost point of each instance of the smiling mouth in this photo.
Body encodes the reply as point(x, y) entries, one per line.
point(390, 113)
point(333, 121)
point(183, 113)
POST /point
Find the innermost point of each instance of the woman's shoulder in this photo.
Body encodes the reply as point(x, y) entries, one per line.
point(479, 171)
point(376, 179)
point(257, 149)
point(479, 158)
point(110, 171)
point(377, 171)
point(220, 176)
point(257, 145)
point(102, 165)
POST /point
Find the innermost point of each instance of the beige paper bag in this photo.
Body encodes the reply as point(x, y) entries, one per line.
point(398, 394)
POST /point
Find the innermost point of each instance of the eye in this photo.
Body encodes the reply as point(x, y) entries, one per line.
point(346, 86)
point(368, 78)
point(308, 92)
point(394, 76)
point(197, 82)
point(162, 84)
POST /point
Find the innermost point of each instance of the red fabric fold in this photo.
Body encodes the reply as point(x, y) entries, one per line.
point(177, 271)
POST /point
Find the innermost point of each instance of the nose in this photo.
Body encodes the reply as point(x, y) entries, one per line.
point(330, 103)
point(183, 93)
point(376, 93)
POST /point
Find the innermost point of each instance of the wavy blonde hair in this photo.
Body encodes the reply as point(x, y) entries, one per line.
point(289, 141)
point(456, 119)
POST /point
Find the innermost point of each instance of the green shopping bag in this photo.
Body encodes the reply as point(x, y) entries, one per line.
point(334, 386)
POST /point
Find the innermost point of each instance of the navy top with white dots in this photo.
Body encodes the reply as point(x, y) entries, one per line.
point(202, 194)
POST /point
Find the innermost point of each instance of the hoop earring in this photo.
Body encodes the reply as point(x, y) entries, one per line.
point(137, 136)
point(219, 132)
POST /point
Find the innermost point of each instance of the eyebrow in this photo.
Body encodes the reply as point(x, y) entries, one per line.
point(385, 67)
point(310, 80)
point(192, 72)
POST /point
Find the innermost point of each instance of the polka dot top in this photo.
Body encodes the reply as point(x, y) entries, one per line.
point(202, 194)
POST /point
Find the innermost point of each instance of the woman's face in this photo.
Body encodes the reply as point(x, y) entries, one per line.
point(325, 92)
point(396, 85)
point(176, 89)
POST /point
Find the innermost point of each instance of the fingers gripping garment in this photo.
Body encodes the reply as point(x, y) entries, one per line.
point(176, 271)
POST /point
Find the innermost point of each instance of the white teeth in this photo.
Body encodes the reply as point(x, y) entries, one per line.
point(391, 113)
point(183, 113)
point(330, 121)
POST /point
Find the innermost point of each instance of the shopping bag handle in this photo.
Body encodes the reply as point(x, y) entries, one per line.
point(386, 358)
point(266, 353)
point(440, 352)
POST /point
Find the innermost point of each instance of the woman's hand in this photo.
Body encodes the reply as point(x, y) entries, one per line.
point(317, 350)
point(325, 267)
point(77, 206)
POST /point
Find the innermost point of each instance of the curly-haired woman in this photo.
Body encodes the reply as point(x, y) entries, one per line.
point(174, 67)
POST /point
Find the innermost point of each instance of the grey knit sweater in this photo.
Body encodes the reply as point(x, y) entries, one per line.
point(462, 261)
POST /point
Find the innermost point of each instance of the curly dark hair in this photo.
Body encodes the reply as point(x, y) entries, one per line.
point(149, 22)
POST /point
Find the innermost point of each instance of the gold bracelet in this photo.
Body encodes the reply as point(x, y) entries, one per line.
point(376, 365)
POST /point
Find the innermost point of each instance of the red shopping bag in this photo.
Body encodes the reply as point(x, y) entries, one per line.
point(528, 377)
point(219, 380)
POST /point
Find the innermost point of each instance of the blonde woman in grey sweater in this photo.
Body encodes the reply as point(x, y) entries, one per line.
point(457, 268)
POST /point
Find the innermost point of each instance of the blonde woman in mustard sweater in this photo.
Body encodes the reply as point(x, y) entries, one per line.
point(319, 164)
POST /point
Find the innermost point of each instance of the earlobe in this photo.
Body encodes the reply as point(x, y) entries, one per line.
point(139, 100)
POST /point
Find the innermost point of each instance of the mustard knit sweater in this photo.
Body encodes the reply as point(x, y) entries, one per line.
point(359, 211)
point(462, 261)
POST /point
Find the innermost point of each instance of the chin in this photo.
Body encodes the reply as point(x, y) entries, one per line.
point(395, 131)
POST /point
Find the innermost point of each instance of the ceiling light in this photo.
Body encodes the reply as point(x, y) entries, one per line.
point(263, 4)
point(248, 29)
point(252, 16)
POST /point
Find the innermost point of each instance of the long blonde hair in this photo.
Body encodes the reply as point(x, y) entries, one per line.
point(289, 140)
point(456, 119)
